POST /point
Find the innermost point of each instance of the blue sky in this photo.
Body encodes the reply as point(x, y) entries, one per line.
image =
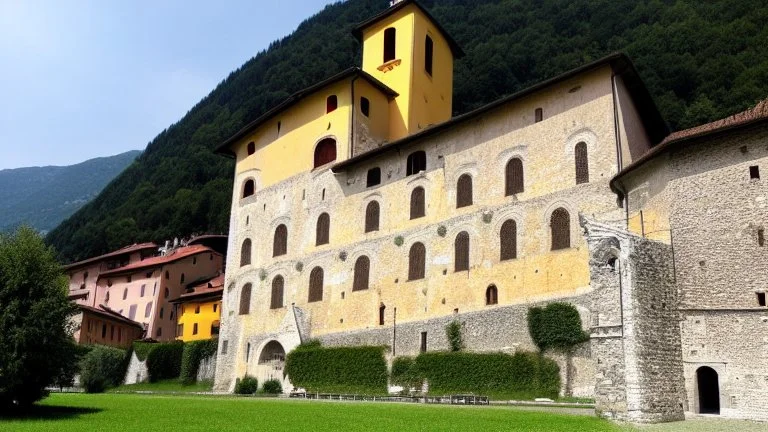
point(81, 79)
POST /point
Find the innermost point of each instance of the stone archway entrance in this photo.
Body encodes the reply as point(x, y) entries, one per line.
point(708, 385)
point(271, 363)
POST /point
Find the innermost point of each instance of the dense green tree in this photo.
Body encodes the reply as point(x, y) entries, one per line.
point(35, 330)
point(700, 60)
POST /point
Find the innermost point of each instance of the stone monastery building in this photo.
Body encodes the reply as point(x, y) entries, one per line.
point(363, 213)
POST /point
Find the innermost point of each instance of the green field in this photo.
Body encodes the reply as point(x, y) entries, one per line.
point(132, 412)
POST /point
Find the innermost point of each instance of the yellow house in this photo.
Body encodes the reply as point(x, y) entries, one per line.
point(363, 213)
point(199, 310)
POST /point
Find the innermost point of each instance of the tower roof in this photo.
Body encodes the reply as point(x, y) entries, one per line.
point(358, 30)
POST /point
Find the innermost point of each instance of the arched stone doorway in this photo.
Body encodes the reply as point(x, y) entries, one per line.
point(708, 389)
point(271, 363)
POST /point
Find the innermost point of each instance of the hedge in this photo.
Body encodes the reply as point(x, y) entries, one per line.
point(405, 374)
point(360, 370)
point(101, 368)
point(194, 353)
point(164, 361)
point(142, 349)
point(519, 376)
point(247, 385)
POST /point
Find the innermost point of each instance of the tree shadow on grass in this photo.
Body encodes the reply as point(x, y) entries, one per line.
point(48, 412)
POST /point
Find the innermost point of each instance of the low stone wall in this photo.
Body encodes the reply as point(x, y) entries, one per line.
point(207, 369)
point(137, 371)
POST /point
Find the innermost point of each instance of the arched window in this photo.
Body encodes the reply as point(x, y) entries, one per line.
point(374, 177)
point(362, 271)
point(245, 253)
point(125, 293)
point(315, 285)
point(560, 226)
point(582, 163)
point(417, 203)
point(365, 106)
point(417, 258)
point(372, 216)
point(278, 284)
point(147, 310)
point(280, 242)
point(325, 152)
point(428, 52)
point(382, 310)
point(417, 162)
point(461, 252)
point(251, 148)
point(491, 295)
point(323, 228)
point(508, 240)
point(331, 103)
point(389, 44)
point(513, 177)
point(245, 299)
point(248, 188)
point(464, 191)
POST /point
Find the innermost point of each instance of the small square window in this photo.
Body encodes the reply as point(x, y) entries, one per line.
point(761, 299)
point(754, 172)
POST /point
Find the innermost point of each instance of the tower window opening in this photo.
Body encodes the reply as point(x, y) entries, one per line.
point(754, 172)
point(365, 106)
point(331, 104)
point(761, 299)
point(389, 44)
point(538, 115)
point(428, 53)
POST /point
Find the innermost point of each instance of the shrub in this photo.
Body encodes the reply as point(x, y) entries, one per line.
point(164, 361)
point(455, 338)
point(247, 385)
point(405, 374)
point(522, 375)
point(194, 353)
point(272, 386)
point(338, 369)
point(35, 331)
point(556, 326)
point(142, 349)
point(102, 368)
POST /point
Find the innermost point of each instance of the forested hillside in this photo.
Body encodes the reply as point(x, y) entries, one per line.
point(42, 197)
point(700, 60)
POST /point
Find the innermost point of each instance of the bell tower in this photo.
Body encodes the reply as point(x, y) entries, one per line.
point(405, 48)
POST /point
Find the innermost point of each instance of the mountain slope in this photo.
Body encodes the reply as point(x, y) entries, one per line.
point(42, 197)
point(700, 60)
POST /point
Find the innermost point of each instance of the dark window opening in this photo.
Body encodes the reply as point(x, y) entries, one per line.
point(464, 191)
point(428, 52)
point(560, 227)
point(103, 331)
point(148, 310)
point(582, 163)
point(461, 252)
point(389, 44)
point(539, 115)
point(417, 258)
point(245, 253)
point(761, 299)
point(316, 285)
point(278, 286)
point(159, 332)
point(508, 240)
point(754, 172)
point(280, 242)
point(197, 309)
point(382, 310)
point(423, 342)
point(491, 295)
point(162, 311)
point(251, 148)
point(245, 299)
point(331, 104)
point(362, 273)
point(125, 293)
point(372, 217)
point(761, 237)
point(417, 203)
point(365, 106)
point(181, 279)
point(279, 124)
point(194, 328)
point(323, 228)
point(180, 330)
point(513, 177)
point(417, 162)
point(325, 152)
point(248, 188)
point(374, 177)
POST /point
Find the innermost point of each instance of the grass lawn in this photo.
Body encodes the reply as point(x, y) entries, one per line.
point(136, 412)
point(166, 386)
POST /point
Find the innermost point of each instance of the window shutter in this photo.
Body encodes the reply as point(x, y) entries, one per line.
point(245, 253)
point(278, 284)
point(417, 203)
point(582, 163)
point(280, 243)
point(372, 216)
point(461, 252)
point(560, 225)
point(464, 191)
point(323, 227)
point(417, 261)
point(362, 272)
point(316, 285)
point(245, 299)
point(514, 177)
point(508, 240)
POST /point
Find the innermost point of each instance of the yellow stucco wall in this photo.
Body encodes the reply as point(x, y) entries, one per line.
point(209, 312)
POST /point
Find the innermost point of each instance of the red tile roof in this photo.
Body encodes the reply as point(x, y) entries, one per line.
point(109, 313)
point(212, 288)
point(125, 250)
point(175, 255)
point(743, 119)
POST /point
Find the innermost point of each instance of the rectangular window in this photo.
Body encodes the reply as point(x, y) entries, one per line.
point(224, 346)
point(215, 307)
point(143, 287)
point(761, 237)
point(754, 172)
point(180, 330)
point(539, 114)
point(423, 341)
point(194, 329)
point(428, 52)
point(132, 312)
point(761, 299)
point(389, 44)
point(365, 106)
point(197, 309)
